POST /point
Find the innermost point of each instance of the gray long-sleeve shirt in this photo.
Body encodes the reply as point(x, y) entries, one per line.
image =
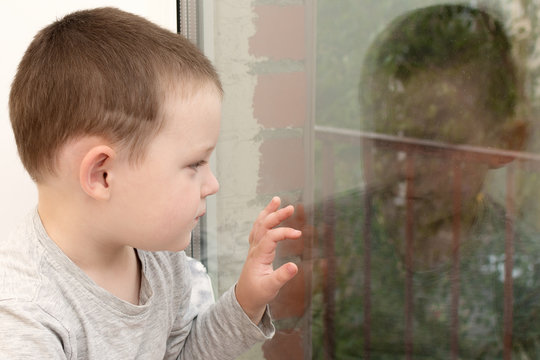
point(50, 309)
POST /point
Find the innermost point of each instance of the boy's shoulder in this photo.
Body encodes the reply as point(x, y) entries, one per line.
point(20, 260)
point(33, 267)
point(47, 297)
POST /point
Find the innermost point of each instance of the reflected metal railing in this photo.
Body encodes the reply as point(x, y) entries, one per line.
point(455, 154)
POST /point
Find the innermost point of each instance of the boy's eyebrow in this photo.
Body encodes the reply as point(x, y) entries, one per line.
point(208, 149)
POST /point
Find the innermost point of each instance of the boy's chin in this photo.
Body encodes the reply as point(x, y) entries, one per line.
point(181, 244)
point(177, 244)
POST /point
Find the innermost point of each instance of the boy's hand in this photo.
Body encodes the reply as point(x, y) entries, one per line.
point(259, 283)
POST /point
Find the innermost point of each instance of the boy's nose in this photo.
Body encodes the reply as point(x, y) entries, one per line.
point(211, 186)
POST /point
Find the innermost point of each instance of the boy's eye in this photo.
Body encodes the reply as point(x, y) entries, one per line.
point(198, 164)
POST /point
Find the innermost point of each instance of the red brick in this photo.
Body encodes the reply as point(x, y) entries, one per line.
point(291, 299)
point(295, 247)
point(280, 32)
point(280, 100)
point(285, 345)
point(290, 247)
point(282, 165)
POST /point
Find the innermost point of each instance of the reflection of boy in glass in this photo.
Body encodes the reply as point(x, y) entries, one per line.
point(444, 74)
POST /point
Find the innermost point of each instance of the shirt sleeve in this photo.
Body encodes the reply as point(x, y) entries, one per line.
point(204, 329)
point(26, 330)
point(224, 331)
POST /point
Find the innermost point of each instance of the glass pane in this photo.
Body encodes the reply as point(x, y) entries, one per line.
point(426, 181)
point(405, 132)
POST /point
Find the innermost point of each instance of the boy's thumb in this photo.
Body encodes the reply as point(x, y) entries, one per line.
point(284, 273)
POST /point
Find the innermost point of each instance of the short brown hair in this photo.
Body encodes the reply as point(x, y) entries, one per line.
point(439, 37)
point(98, 72)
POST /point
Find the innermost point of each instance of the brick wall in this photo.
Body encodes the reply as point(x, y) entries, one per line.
point(263, 55)
point(281, 104)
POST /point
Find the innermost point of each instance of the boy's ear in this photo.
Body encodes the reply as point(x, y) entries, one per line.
point(94, 172)
point(516, 134)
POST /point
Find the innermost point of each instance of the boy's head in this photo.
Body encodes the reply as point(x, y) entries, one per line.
point(100, 72)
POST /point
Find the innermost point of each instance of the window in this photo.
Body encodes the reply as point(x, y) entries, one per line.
point(404, 132)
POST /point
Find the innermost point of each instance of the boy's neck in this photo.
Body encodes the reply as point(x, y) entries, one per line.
point(114, 267)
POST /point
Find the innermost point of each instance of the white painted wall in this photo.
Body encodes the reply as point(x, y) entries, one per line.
point(19, 22)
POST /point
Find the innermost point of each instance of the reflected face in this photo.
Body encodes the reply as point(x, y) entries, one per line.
point(446, 106)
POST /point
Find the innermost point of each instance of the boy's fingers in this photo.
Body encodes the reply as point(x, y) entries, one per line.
point(274, 236)
point(282, 275)
point(275, 218)
point(269, 218)
point(272, 206)
point(259, 223)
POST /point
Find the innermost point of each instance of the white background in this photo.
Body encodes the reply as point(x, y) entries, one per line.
point(19, 22)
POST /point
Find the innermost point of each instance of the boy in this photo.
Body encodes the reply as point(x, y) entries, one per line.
point(115, 119)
